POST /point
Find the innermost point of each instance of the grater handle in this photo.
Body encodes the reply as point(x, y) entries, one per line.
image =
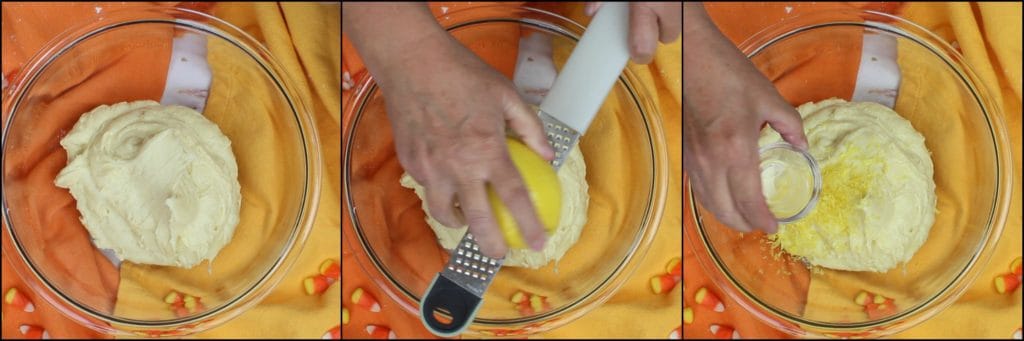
point(460, 304)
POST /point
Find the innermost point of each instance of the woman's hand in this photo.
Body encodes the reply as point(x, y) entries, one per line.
point(726, 101)
point(449, 111)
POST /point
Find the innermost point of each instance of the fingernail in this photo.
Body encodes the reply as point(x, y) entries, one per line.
point(590, 9)
point(772, 228)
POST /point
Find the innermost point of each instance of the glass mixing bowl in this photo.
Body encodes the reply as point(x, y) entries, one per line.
point(258, 108)
point(944, 100)
point(393, 242)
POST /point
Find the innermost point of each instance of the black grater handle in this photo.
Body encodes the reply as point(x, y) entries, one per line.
point(445, 295)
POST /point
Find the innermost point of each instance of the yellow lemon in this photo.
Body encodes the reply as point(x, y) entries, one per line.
point(545, 193)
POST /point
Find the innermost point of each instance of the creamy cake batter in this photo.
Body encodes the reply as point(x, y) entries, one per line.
point(156, 184)
point(877, 202)
point(572, 176)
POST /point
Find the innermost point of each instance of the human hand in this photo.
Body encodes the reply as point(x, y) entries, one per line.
point(448, 113)
point(726, 101)
point(649, 22)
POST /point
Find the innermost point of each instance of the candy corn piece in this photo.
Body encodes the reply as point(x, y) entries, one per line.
point(1016, 334)
point(333, 334)
point(379, 332)
point(864, 297)
point(331, 269)
point(17, 299)
point(525, 309)
point(179, 310)
point(34, 332)
point(520, 296)
point(1015, 267)
point(688, 315)
point(878, 306)
point(1006, 283)
point(676, 334)
point(192, 303)
point(662, 283)
point(675, 267)
point(365, 300)
point(344, 315)
point(539, 303)
point(316, 285)
point(724, 332)
point(708, 299)
point(173, 298)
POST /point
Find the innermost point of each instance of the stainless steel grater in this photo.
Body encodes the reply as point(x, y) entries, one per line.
point(566, 112)
point(459, 289)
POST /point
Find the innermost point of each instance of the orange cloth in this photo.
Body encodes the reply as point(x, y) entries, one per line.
point(979, 313)
point(303, 38)
point(27, 27)
point(661, 313)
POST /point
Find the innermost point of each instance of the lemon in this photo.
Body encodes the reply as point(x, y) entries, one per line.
point(543, 187)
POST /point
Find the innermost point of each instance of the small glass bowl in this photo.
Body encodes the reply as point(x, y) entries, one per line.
point(797, 161)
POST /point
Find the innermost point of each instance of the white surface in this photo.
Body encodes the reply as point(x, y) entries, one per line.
point(188, 76)
point(878, 78)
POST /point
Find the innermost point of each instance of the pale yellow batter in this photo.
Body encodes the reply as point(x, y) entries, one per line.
point(572, 177)
point(877, 202)
point(156, 184)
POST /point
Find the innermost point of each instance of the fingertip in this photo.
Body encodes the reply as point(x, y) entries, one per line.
point(772, 227)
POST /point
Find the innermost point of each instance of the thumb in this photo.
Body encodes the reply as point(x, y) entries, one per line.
point(525, 123)
point(788, 123)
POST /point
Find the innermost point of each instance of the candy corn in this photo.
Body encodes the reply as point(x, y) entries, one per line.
point(724, 332)
point(316, 285)
point(520, 296)
point(365, 300)
point(1006, 283)
point(34, 332)
point(344, 315)
point(539, 303)
point(662, 283)
point(379, 332)
point(675, 267)
point(876, 306)
point(1015, 267)
point(863, 298)
point(688, 315)
point(180, 311)
point(676, 334)
point(16, 298)
point(709, 300)
point(1016, 334)
point(173, 298)
point(333, 334)
point(331, 269)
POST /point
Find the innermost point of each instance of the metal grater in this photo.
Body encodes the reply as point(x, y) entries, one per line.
point(560, 136)
point(471, 271)
point(566, 112)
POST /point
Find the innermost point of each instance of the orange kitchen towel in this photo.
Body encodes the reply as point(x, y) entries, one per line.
point(661, 313)
point(66, 246)
point(999, 69)
point(305, 39)
point(736, 22)
point(989, 37)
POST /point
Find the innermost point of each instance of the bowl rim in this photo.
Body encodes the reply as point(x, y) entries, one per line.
point(209, 25)
point(651, 219)
point(991, 113)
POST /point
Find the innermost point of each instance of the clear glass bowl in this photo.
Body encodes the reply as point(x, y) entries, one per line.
point(259, 96)
point(388, 230)
point(973, 182)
